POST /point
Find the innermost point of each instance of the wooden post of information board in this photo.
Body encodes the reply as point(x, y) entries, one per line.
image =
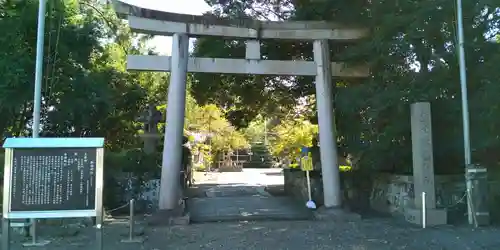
point(48, 178)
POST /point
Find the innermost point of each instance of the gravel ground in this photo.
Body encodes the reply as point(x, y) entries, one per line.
point(367, 234)
point(370, 234)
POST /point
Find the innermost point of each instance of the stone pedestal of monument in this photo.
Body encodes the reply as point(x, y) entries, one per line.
point(434, 216)
point(423, 168)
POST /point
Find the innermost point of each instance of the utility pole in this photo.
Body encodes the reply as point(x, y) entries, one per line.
point(465, 106)
point(37, 98)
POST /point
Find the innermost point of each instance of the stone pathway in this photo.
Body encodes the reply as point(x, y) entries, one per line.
point(242, 196)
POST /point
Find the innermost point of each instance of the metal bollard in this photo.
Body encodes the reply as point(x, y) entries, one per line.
point(424, 215)
point(5, 234)
point(34, 237)
point(131, 222)
point(33, 231)
point(473, 211)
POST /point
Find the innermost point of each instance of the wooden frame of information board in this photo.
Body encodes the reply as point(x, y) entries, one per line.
point(95, 207)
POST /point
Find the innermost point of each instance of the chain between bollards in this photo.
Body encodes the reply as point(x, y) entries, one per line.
point(35, 242)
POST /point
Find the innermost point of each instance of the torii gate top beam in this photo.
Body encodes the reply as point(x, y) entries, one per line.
point(166, 23)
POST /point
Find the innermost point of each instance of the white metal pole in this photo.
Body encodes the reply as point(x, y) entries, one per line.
point(131, 221)
point(465, 105)
point(309, 192)
point(424, 212)
point(37, 97)
point(37, 101)
point(131, 225)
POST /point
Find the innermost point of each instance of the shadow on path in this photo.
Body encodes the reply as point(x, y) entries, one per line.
point(212, 202)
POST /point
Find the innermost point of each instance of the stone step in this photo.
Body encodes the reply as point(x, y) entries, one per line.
point(231, 192)
point(257, 162)
point(250, 217)
point(247, 209)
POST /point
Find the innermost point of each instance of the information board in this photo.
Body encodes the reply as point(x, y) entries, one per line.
point(53, 179)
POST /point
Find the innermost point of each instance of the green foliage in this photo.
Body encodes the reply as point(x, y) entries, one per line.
point(224, 135)
point(372, 115)
point(123, 165)
point(200, 167)
point(204, 151)
point(209, 120)
point(86, 89)
point(290, 136)
point(256, 130)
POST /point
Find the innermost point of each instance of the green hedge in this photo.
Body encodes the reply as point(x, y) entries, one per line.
point(116, 167)
point(119, 166)
point(2, 162)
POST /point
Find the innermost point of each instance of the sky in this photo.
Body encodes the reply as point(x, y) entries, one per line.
point(162, 44)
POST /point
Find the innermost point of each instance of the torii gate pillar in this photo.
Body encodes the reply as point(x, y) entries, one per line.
point(174, 126)
point(326, 123)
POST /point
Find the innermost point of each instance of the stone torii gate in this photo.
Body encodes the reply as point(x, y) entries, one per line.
point(181, 27)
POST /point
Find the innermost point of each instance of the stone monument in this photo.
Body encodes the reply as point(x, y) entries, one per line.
point(423, 168)
point(150, 119)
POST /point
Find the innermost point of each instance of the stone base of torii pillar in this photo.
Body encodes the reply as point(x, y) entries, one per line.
point(175, 216)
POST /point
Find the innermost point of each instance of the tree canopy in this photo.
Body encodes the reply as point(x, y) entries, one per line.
point(86, 90)
point(412, 52)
